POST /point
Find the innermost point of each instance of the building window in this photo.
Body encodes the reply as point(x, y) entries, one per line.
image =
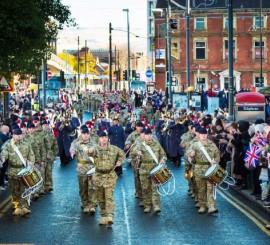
point(200, 50)
point(257, 24)
point(175, 49)
point(258, 82)
point(200, 23)
point(257, 50)
point(226, 49)
point(201, 83)
point(226, 23)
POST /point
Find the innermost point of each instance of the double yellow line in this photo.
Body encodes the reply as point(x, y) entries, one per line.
point(251, 214)
point(5, 205)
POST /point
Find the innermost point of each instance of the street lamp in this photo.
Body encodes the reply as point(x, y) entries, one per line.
point(128, 70)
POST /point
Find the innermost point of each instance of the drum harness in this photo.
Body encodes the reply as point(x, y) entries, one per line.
point(28, 192)
point(169, 191)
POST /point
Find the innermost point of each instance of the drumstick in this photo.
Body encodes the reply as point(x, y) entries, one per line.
point(107, 176)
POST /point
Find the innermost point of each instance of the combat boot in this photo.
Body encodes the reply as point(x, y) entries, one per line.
point(157, 209)
point(202, 210)
point(141, 204)
point(147, 210)
point(92, 210)
point(212, 210)
point(17, 211)
point(110, 221)
point(86, 210)
point(197, 205)
point(103, 221)
point(25, 211)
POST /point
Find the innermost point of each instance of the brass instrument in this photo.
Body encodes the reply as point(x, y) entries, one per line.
point(165, 127)
point(181, 119)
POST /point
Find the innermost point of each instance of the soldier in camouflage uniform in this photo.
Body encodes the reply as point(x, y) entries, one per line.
point(51, 153)
point(15, 166)
point(149, 111)
point(205, 188)
point(150, 194)
point(86, 186)
point(37, 144)
point(130, 143)
point(106, 158)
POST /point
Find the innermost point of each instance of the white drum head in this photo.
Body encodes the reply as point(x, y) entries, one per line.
point(91, 171)
point(24, 171)
point(210, 170)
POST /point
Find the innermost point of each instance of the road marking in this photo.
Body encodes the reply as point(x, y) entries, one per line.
point(255, 220)
point(126, 215)
point(5, 209)
point(3, 203)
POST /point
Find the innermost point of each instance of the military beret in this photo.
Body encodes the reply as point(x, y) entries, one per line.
point(139, 124)
point(23, 125)
point(85, 131)
point(197, 129)
point(45, 122)
point(15, 126)
point(35, 118)
point(102, 134)
point(31, 125)
point(17, 131)
point(147, 131)
point(202, 131)
point(83, 127)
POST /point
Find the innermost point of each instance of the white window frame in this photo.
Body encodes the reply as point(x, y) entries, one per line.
point(256, 19)
point(204, 23)
point(258, 49)
point(175, 48)
point(195, 48)
point(198, 85)
point(257, 75)
point(226, 51)
point(226, 23)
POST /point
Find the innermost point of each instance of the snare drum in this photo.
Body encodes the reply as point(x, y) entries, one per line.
point(29, 177)
point(90, 173)
point(161, 174)
point(216, 174)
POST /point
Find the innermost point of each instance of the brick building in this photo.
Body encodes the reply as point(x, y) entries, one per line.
point(209, 44)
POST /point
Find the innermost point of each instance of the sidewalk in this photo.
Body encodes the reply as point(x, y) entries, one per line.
point(246, 194)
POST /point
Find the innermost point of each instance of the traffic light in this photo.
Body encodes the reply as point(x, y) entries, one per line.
point(174, 23)
point(125, 75)
point(133, 75)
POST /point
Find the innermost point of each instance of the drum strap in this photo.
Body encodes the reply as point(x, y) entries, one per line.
point(16, 149)
point(204, 152)
point(148, 148)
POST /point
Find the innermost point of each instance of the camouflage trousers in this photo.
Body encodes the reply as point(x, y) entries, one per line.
point(137, 181)
point(150, 195)
point(48, 182)
point(87, 191)
point(17, 189)
point(41, 169)
point(105, 185)
point(205, 188)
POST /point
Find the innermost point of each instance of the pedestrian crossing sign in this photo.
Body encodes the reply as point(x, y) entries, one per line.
point(6, 86)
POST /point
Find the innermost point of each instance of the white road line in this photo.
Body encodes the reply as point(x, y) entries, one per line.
point(126, 215)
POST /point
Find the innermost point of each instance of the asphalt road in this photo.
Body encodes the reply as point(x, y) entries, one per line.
point(57, 217)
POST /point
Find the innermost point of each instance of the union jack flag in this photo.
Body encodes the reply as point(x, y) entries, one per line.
point(252, 155)
point(262, 141)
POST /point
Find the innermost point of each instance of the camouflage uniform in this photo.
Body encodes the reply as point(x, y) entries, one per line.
point(150, 194)
point(132, 139)
point(15, 166)
point(86, 187)
point(205, 188)
point(149, 112)
point(51, 153)
point(105, 177)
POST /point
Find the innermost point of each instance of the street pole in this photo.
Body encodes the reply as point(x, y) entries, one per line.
point(230, 60)
point(188, 49)
point(110, 56)
point(43, 82)
point(261, 50)
point(79, 79)
point(128, 51)
point(169, 55)
point(85, 63)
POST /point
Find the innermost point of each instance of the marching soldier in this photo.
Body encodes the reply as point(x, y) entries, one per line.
point(205, 188)
point(19, 155)
point(86, 187)
point(106, 158)
point(151, 154)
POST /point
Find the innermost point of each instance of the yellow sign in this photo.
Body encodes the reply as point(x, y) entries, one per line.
point(6, 86)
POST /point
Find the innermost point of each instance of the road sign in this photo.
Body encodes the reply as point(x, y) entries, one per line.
point(49, 75)
point(6, 86)
point(149, 73)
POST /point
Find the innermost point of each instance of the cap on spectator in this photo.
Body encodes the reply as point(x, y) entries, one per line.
point(202, 131)
point(147, 131)
point(85, 131)
point(102, 134)
point(17, 131)
point(139, 124)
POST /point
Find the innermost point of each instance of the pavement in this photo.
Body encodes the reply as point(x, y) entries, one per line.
point(247, 194)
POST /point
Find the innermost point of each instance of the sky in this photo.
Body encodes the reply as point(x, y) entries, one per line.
point(93, 18)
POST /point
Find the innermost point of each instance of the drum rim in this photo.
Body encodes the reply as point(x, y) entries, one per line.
point(24, 171)
point(157, 168)
point(209, 174)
